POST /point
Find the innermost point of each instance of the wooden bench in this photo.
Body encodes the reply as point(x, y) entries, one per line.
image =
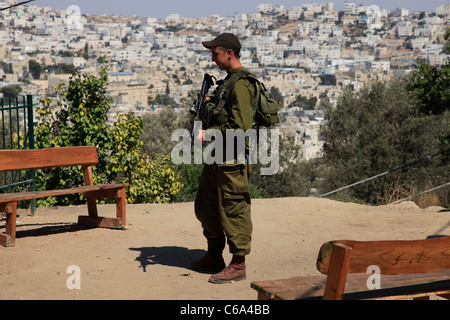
point(409, 269)
point(15, 160)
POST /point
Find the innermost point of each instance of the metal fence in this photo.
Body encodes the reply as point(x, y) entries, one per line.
point(17, 132)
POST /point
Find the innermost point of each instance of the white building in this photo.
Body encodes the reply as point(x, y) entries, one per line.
point(419, 43)
point(305, 28)
point(400, 12)
point(294, 13)
point(404, 29)
point(350, 8)
point(240, 21)
point(173, 18)
point(265, 8)
point(443, 10)
point(308, 47)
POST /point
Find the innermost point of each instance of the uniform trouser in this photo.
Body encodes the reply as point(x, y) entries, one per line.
point(223, 205)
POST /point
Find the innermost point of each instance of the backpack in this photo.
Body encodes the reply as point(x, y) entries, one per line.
point(265, 109)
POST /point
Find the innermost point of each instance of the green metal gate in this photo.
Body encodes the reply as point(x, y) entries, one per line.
point(17, 132)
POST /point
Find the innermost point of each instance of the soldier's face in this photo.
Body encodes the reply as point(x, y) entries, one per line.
point(221, 57)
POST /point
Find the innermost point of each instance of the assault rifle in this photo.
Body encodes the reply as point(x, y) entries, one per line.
point(198, 107)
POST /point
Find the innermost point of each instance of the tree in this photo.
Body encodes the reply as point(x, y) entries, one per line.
point(190, 174)
point(375, 130)
point(294, 178)
point(127, 147)
point(11, 92)
point(80, 119)
point(432, 87)
point(35, 69)
point(158, 128)
point(447, 38)
point(167, 89)
point(155, 181)
point(152, 179)
point(275, 93)
point(304, 102)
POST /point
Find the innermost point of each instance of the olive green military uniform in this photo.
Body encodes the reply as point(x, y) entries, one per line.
point(223, 200)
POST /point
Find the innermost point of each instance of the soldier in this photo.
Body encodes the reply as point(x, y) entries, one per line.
point(223, 200)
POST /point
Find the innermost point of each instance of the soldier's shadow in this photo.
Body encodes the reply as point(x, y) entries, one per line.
point(167, 256)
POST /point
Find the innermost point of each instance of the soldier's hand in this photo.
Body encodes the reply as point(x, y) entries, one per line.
point(201, 136)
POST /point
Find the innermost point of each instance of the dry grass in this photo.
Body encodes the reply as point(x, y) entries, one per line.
point(440, 197)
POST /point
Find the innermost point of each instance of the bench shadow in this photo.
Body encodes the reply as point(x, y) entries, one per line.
point(167, 256)
point(45, 229)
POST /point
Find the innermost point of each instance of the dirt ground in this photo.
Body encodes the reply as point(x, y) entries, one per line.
point(150, 259)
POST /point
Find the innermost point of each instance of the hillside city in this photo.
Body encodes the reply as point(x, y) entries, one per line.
point(311, 50)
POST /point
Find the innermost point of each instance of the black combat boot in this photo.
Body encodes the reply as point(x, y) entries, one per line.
point(213, 260)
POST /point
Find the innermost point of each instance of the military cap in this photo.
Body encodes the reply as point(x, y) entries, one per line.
point(225, 40)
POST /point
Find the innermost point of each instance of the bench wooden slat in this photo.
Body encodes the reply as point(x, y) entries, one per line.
point(14, 160)
point(86, 157)
point(393, 257)
point(21, 196)
point(392, 287)
point(296, 286)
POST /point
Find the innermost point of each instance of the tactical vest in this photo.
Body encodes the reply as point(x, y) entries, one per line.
point(218, 110)
point(265, 109)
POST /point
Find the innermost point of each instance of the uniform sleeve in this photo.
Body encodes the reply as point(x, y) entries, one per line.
point(243, 98)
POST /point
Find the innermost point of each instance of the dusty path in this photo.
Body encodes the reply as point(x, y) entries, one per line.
point(150, 259)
